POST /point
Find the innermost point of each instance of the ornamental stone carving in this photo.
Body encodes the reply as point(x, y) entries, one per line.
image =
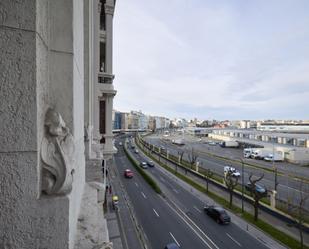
point(57, 151)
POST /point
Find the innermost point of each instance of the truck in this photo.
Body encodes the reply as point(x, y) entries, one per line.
point(278, 157)
point(248, 151)
point(179, 141)
point(229, 144)
point(260, 154)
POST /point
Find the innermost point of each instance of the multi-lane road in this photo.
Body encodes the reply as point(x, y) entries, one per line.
point(287, 189)
point(179, 218)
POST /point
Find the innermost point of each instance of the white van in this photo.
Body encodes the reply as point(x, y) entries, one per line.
point(234, 172)
point(248, 152)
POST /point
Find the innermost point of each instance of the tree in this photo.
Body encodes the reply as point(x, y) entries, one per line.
point(257, 195)
point(230, 182)
point(208, 173)
point(192, 156)
point(180, 154)
point(298, 212)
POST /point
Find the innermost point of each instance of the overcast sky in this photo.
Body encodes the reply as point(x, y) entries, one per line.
point(213, 59)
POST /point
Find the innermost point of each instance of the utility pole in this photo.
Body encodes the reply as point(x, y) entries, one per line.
point(242, 185)
point(273, 162)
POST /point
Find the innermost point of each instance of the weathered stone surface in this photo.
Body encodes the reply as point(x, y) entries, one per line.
point(18, 14)
point(27, 222)
point(42, 8)
point(17, 90)
point(61, 21)
point(43, 90)
point(91, 227)
point(94, 170)
point(61, 77)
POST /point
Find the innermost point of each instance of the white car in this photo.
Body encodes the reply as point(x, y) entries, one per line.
point(212, 143)
point(234, 171)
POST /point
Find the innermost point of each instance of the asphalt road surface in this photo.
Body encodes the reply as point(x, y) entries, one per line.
point(287, 188)
point(179, 219)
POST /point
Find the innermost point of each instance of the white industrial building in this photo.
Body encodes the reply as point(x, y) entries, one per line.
point(294, 146)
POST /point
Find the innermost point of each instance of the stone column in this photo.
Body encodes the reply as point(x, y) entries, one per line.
point(109, 12)
point(95, 70)
point(109, 147)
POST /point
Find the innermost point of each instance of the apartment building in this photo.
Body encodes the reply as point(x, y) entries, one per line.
point(99, 88)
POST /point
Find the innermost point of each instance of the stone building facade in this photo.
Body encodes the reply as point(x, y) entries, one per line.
point(51, 95)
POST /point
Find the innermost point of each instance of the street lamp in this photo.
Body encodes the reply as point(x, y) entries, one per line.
point(242, 185)
point(273, 163)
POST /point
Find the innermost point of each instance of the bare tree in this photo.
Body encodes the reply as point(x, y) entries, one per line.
point(208, 173)
point(192, 156)
point(231, 183)
point(298, 212)
point(180, 154)
point(257, 195)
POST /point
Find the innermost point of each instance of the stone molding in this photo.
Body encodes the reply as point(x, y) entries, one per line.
point(57, 149)
point(109, 9)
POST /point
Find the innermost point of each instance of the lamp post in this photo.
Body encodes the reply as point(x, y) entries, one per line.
point(104, 172)
point(242, 185)
point(273, 163)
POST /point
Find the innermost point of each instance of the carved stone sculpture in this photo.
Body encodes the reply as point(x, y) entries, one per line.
point(57, 155)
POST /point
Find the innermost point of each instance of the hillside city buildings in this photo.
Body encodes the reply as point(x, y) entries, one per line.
point(290, 138)
point(56, 103)
point(138, 120)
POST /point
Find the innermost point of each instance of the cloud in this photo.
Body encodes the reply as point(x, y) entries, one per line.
point(222, 59)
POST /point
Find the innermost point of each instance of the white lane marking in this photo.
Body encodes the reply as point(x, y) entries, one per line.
point(233, 239)
point(197, 209)
point(155, 212)
point(200, 230)
point(175, 239)
point(136, 184)
point(143, 195)
point(175, 191)
point(162, 179)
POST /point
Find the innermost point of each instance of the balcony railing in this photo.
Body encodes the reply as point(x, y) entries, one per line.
point(105, 78)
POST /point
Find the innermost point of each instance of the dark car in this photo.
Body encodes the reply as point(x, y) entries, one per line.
point(150, 163)
point(128, 173)
point(171, 246)
point(143, 165)
point(163, 149)
point(218, 214)
point(258, 188)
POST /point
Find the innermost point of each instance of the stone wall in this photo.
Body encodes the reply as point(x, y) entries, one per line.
point(41, 66)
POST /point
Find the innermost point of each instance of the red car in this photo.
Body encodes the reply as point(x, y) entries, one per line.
point(128, 173)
